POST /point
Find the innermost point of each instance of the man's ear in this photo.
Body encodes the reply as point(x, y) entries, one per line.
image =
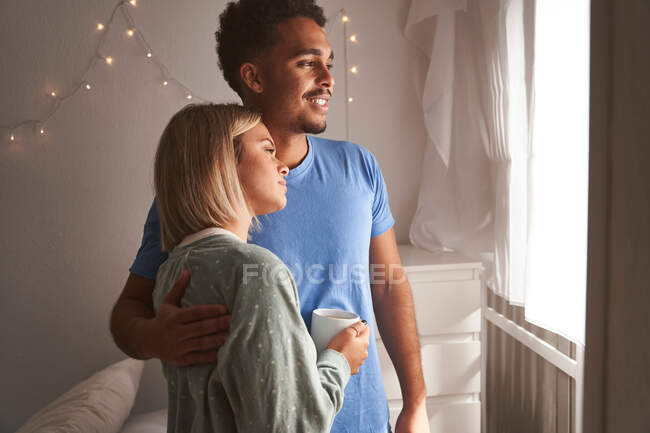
point(250, 76)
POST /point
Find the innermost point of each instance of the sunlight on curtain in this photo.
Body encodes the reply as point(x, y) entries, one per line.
point(508, 62)
point(517, 128)
point(556, 260)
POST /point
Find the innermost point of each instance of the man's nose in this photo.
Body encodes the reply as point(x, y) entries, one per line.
point(326, 79)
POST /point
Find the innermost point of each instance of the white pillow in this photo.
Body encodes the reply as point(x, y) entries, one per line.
point(99, 404)
point(150, 422)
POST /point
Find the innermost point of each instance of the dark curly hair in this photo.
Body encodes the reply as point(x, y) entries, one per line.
point(247, 30)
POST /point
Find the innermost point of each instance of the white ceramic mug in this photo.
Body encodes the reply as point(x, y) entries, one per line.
point(327, 322)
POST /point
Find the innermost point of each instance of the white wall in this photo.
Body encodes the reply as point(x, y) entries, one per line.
point(74, 201)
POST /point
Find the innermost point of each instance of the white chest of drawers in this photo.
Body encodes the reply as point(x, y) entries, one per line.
point(447, 296)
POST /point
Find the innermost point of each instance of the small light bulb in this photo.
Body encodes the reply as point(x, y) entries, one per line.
point(354, 69)
point(109, 60)
point(42, 131)
point(11, 137)
point(53, 94)
point(130, 32)
point(149, 55)
point(133, 2)
point(353, 38)
point(100, 26)
point(350, 99)
point(88, 87)
point(189, 96)
point(345, 19)
point(165, 83)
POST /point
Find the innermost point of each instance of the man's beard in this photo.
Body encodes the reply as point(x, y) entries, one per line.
point(308, 127)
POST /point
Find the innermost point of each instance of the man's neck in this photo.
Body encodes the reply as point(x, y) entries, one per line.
point(290, 148)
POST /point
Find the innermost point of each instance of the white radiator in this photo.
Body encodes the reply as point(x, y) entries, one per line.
point(573, 368)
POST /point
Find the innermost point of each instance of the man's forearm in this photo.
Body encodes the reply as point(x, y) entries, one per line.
point(132, 315)
point(128, 324)
point(393, 306)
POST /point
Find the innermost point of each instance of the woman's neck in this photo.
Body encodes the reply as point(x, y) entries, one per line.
point(239, 226)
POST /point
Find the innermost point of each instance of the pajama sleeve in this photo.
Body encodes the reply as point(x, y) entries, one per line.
point(268, 367)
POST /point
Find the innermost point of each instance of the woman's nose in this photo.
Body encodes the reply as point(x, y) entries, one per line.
point(283, 169)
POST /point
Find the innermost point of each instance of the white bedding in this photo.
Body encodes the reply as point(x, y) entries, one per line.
point(99, 404)
point(150, 422)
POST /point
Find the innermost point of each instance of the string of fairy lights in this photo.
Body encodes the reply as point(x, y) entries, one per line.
point(123, 7)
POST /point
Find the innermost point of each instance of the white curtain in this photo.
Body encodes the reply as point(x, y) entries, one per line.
point(507, 80)
point(454, 209)
point(505, 105)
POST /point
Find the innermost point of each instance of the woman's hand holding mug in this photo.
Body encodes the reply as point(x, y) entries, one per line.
point(352, 343)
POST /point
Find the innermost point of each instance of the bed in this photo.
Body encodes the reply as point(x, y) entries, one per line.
point(100, 404)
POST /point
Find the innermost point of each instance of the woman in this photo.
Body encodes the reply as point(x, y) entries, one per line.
point(215, 171)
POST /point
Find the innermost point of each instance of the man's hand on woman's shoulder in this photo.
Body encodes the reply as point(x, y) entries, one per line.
point(178, 336)
point(182, 336)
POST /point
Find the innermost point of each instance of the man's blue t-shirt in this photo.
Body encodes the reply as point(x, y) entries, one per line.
point(336, 201)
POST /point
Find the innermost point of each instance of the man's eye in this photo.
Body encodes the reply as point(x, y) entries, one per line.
point(308, 64)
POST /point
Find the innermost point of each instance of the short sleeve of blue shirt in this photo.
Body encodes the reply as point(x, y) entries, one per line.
point(382, 218)
point(150, 255)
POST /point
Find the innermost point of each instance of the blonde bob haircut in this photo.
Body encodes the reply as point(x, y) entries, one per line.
point(195, 170)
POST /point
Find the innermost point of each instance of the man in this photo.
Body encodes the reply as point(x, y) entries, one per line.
point(275, 55)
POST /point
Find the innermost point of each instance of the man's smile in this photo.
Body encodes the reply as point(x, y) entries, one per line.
point(320, 102)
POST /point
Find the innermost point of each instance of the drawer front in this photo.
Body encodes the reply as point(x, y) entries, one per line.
point(448, 418)
point(418, 276)
point(447, 307)
point(451, 368)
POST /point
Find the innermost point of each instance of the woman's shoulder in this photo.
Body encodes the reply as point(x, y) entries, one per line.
point(255, 270)
point(259, 267)
point(224, 250)
point(254, 254)
point(236, 265)
point(251, 262)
